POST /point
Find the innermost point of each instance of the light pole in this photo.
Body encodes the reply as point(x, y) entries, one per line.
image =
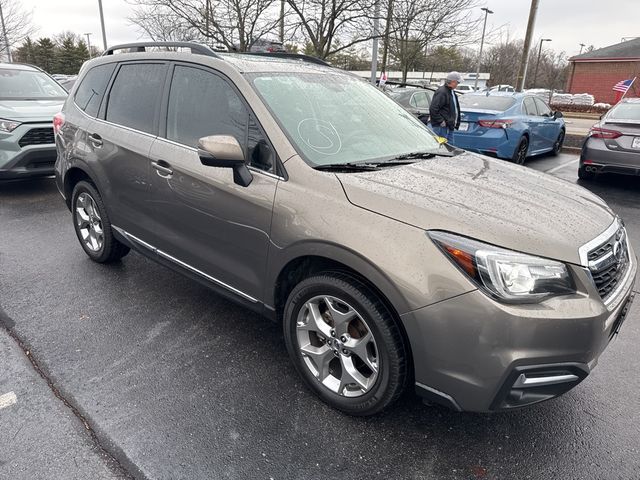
point(535, 75)
point(4, 33)
point(484, 27)
point(88, 44)
point(104, 35)
point(582, 45)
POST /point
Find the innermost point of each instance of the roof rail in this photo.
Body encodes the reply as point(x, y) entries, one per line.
point(142, 47)
point(287, 55)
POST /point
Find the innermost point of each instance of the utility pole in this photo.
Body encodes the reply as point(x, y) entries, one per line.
point(104, 34)
point(387, 28)
point(484, 28)
point(524, 61)
point(4, 33)
point(206, 20)
point(89, 44)
point(535, 75)
point(374, 51)
point(282, 22)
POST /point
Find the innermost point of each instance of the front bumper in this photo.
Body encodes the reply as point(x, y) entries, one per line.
point(27, 160)
point(475, 354)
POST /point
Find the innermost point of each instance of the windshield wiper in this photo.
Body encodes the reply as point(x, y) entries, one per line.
point(423, 154)
point(354, 167)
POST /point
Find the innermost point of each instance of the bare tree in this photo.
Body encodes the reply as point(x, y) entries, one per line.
point(330, 26)
point(17, 23)
point(418, 24)
point(236, 24)
point(163, 25)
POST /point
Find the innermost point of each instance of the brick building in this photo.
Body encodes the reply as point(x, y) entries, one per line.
point(598, 71)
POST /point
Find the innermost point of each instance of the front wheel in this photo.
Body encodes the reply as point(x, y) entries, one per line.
point(520, 153)
point(92, 225)
point(345, 343)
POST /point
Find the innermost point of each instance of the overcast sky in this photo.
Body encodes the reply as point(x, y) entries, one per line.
point(567, 22)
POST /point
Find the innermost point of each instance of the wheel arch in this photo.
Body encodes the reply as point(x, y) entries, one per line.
point(72, 176)
point(303, 266)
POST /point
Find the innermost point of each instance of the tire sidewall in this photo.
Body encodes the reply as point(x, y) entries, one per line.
point(516, 156)
point(313, 287)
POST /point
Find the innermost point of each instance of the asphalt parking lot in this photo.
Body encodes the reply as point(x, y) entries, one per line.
point(133, 371)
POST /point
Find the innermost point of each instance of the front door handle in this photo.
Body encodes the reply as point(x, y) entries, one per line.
point(96, 140)
point(162, 168)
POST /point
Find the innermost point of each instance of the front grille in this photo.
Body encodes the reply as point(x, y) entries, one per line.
point(609, 263)
point(37, 136)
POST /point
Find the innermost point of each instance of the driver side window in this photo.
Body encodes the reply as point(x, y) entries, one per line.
point(202, 104)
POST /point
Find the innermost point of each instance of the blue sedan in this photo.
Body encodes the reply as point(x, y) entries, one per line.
point(512, 126)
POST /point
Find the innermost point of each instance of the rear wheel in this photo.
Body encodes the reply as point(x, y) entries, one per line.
point(345, 343)
point(584, 175)
point(557, 146)
point(92, 225)
point(520, 153)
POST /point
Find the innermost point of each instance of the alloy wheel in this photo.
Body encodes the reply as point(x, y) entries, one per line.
point(337, 346)
point(89, 222)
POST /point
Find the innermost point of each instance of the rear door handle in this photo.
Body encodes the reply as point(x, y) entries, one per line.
point(96, 140)
point(163, 168)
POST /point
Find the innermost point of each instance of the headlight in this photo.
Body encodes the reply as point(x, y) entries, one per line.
point(506, 275)
point(8, 125)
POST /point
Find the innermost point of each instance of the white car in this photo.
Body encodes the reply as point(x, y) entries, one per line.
point(464, 89)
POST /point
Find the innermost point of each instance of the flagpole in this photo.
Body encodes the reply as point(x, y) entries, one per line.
point(630, 85)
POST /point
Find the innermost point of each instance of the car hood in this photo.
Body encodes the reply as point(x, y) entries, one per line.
point(486, 199)
point(30, 110)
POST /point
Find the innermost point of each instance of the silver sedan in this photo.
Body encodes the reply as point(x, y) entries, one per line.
point(613, 144)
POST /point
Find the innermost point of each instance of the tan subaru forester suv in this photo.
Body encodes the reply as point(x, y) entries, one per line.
point(311, 197)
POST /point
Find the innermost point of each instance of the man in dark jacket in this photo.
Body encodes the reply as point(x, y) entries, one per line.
point(444, 111)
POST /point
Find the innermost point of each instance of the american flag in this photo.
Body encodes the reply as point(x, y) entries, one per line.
point(623, 85)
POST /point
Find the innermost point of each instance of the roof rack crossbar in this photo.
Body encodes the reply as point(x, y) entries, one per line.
point(292, 56)
point(142, 46)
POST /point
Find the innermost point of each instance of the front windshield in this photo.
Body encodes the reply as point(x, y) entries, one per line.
point(337, 119)
point(28, 85)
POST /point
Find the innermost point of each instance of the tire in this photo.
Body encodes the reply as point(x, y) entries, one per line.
point(366, 339)
point(584, 175)
point(557, 146)
point(92, 225)
point(520, 153)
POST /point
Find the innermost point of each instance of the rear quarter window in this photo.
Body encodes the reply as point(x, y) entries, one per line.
point(90, 92)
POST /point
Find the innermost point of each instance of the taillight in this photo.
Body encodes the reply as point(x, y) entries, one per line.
point(497, 123)
point(58, 121)
point(598, 132)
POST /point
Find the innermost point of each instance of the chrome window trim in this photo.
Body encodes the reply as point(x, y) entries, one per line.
point(183, 264)
point(600, 239)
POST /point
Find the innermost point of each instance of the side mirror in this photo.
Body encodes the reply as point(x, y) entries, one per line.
point(557, 115)
point(224, 151)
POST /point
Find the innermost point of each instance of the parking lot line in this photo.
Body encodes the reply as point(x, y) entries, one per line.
point(7, 400)
point(560, 167)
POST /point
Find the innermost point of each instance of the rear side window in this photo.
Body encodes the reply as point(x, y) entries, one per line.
point(135, 96)
point(529, 107)
point(90, 92)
